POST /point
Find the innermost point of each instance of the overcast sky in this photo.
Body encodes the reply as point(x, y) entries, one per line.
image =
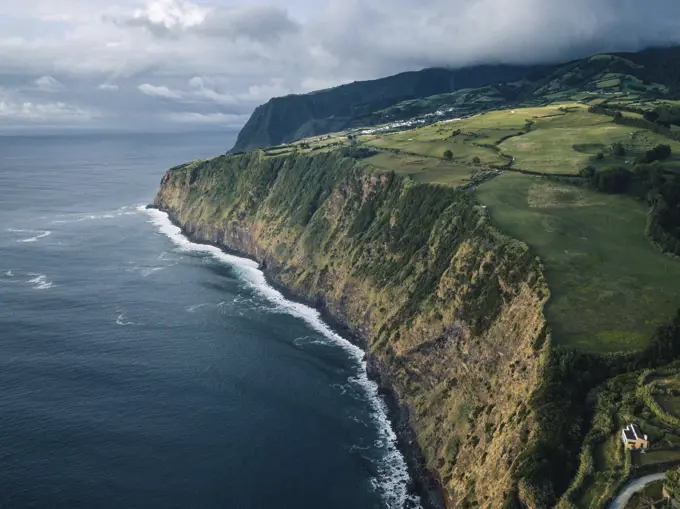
point(199, 64)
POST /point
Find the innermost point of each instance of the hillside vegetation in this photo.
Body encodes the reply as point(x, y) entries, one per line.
point(508, 254)
point(286, 119)
point(650, 399)
point(464, 91)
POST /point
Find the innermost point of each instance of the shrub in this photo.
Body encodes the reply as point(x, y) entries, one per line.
point(664, 219)
point(672, 483)
point(476, 160)
point(618, 149)
point(651, 116)
point(658, 153)
point(358, 152)
point(612, 180)
point(448, 155)
point(588, 171)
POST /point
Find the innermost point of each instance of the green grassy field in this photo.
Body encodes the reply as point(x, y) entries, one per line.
point(423, 169)
point(661, 456)
point(564, 138)
point(433, 141)
point(610, 287)
point(566, 143)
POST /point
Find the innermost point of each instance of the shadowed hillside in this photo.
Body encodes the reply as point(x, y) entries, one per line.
point(466, 91)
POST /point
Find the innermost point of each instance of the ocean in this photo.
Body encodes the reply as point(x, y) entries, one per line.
point(140, 370)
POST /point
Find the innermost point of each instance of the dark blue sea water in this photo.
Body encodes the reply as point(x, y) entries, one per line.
point(139, 370)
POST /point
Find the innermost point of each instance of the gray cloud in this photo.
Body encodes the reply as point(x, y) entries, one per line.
point(48, 84)
point(150, 63)
point(159, 91)
point(163, 17)
point(261, 23)
point(175, 18)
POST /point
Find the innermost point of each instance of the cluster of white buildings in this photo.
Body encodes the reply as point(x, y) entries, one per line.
point(412, 122)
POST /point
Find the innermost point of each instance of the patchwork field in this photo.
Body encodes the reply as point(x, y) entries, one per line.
point(610, 286)
point(567, 143)
point(554, 139)
point(558, 139)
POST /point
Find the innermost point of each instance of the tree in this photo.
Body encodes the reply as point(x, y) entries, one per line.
point(650, 176)
point(612, 180)
point(476, 160)
point(658, 153)
point(618, 149)
point(651, 116)
point(448, 155)
point(588, 172)
point(672, 483)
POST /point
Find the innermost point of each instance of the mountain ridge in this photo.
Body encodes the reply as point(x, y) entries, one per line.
point(297, 116)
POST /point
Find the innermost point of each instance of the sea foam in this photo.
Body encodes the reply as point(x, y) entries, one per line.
point(34, 238)
point(393, 479)
point(40, 282)
point(128, 210)
point(121, 320)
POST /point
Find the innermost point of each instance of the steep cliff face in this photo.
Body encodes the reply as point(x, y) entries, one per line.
point(449, 309)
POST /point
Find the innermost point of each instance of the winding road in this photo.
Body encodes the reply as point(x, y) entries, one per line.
point(633, 487)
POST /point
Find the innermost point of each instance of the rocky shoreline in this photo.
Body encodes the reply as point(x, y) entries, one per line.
point(425, 483)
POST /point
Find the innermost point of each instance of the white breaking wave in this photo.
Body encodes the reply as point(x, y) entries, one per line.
point(121, 320)
point(34, 238)
point(40, 281)
point(308, 340)
point(147, 271)
point(192, 309)
point(393, 478)
point(77, 218)
point(9, 273)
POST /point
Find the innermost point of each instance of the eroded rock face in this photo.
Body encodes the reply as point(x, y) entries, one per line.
point(449, 310)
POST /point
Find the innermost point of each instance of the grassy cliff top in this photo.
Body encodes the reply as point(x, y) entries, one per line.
point(611, 286)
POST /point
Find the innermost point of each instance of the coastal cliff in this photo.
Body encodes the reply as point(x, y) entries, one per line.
point(449, 310)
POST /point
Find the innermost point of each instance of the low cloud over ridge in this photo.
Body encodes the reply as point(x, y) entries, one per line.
point(158, 63)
